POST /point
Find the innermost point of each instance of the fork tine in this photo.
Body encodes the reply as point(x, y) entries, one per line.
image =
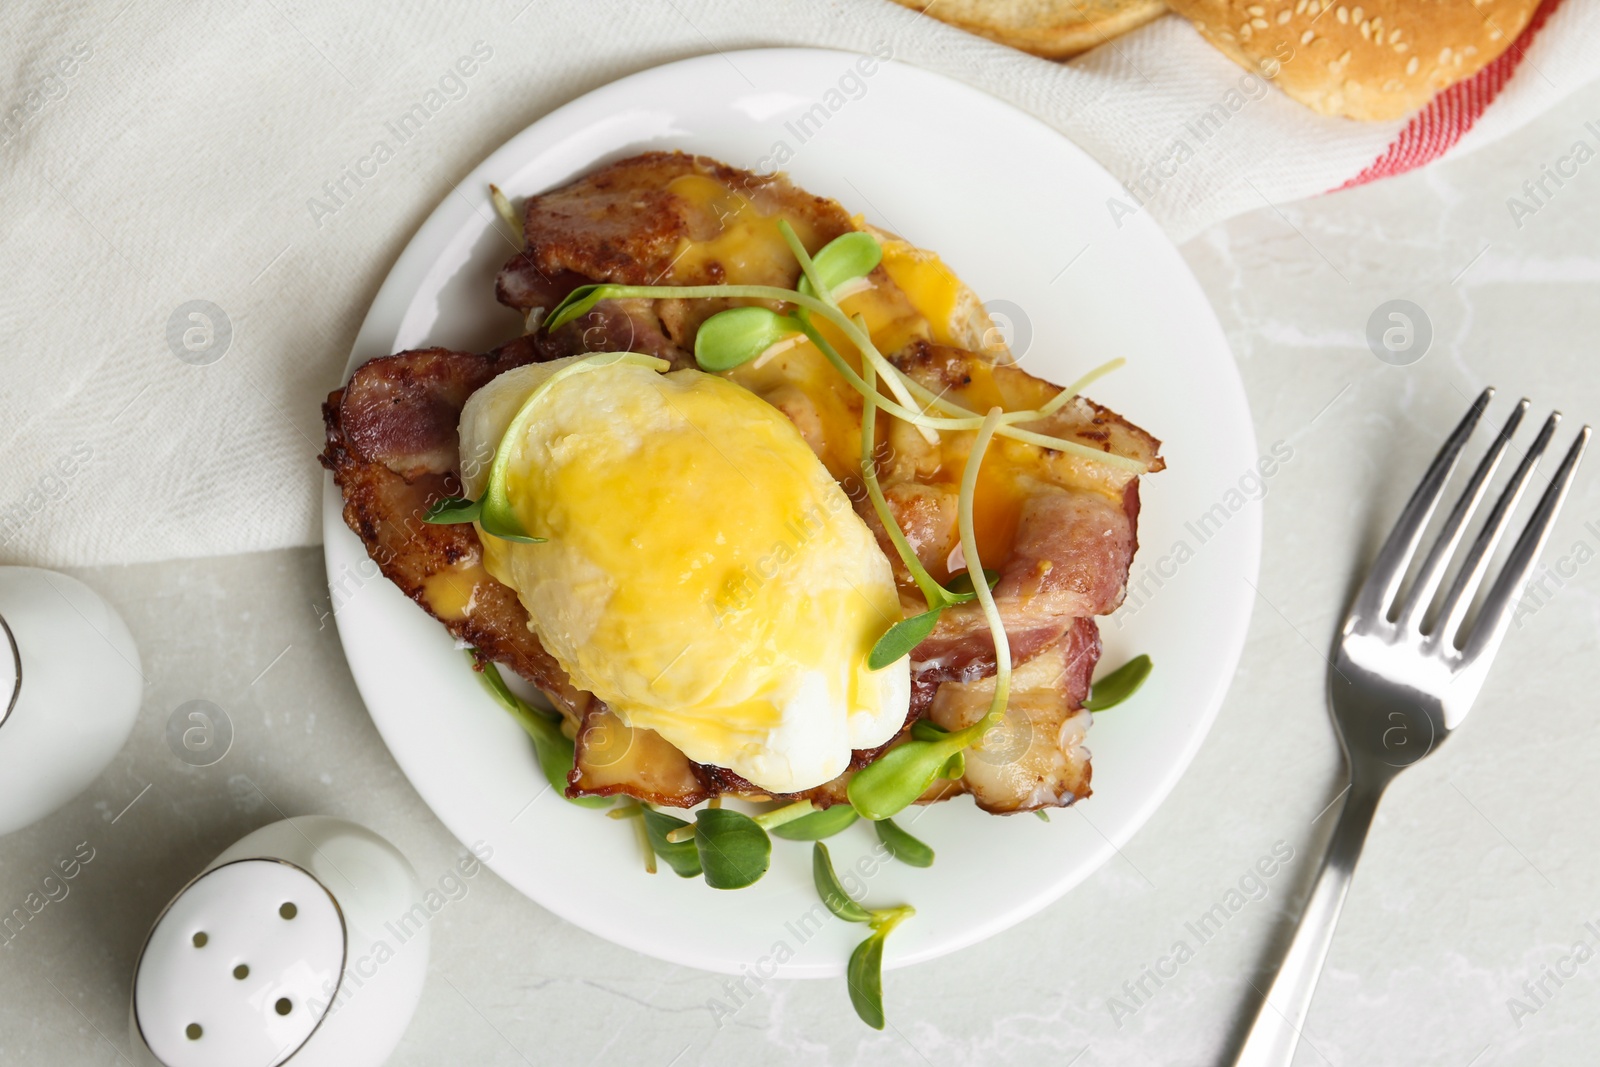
point(1383, 581)
point(1495, 618)
point(1433, 568)
point(1459, 600)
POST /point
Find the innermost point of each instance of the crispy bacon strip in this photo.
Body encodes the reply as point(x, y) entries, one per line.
point(391, 445)
point(622, 224)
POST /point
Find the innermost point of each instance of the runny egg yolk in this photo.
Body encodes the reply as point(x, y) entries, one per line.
point(703, 574)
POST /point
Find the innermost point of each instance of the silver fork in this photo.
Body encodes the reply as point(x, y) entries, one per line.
point(1402, 679)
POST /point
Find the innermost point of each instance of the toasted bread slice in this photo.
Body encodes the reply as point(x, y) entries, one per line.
point(1053, 29)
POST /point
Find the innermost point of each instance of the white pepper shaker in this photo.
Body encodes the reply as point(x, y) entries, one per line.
point(284, 950)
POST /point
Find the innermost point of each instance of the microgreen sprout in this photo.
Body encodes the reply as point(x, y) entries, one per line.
point(895, 780)
point(634, 810)
point(864, 973)
point(843, 260)
point(552, 748)
point(902, 637)
point(682, 857)
point(847, 253)
point(831, 891)
point(507, 213)
point(901, 845)
point(736, 336)
point(818, 824)
point(936, 596)
point(771, 820)
point(734, 851)
point(1119, 685)
point(583, 299)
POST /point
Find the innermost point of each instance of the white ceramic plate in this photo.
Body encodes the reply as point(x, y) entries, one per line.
point(1020, 215)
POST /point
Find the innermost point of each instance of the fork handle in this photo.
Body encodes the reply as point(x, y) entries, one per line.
point(1276, 1031)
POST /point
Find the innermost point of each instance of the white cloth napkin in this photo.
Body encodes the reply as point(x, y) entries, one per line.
point(157, 164)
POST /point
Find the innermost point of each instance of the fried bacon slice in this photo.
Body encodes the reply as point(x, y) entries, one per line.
point(1068, 525)
point(1061, 529)
point(627, 223)
point(1035, 758)
point(393, 450)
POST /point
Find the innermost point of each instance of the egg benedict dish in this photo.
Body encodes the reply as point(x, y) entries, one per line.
point(760, 501)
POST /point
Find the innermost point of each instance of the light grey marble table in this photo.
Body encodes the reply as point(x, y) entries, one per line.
point(1460, 943)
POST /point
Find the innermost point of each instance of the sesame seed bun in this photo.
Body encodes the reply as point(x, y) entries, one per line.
point(1376, 60)
point(1054, 29)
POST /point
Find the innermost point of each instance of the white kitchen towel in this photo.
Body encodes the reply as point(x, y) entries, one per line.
point(157, 162)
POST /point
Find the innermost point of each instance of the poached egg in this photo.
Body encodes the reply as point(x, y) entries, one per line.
point(703, 573)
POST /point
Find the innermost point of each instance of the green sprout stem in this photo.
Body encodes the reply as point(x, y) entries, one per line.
point(766, 820)
point(904, 413)
point(788, 813)
point(507, 213)
point(934, 593)
point(886, 919)
point(635, 811)
point(857, 335)
point(969, 549)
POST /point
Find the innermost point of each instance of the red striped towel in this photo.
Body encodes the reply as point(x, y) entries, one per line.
point(1435, 129)
point(1197, 138)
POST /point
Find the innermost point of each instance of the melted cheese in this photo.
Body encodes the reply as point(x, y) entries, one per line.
point(912, 296)
point(453, 593)
point(703, 574)
point(928, 284)
point(731, 237)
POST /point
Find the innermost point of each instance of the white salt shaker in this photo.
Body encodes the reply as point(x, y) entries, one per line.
point(286, 949)
point(70, 686)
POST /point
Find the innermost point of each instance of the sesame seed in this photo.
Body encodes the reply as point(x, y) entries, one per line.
point(1342, 14)
point(1259, 24)
point(1307, 37)
point(1245, 32)
point(1256, 9)
point(1345, 58)
point(1394, 35)
point(1366, 30)
point(1356, 13)
point(1402, 47)
point(1284, 16)
point(1411, 67)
